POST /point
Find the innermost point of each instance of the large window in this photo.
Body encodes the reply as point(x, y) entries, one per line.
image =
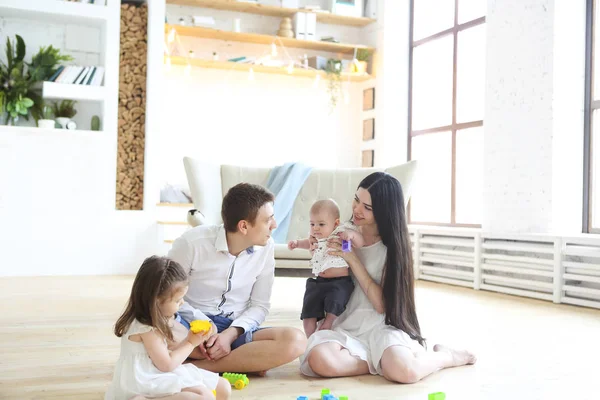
point(591, 217)
point(446, 110)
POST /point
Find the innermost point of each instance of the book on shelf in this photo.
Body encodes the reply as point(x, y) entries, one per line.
point(78, 75)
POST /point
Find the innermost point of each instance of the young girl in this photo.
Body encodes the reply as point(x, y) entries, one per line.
point(146, 368)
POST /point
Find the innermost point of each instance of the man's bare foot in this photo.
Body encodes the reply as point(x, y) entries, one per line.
point(459, 357)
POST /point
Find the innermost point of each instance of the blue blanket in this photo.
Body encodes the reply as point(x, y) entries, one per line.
point(285, 182)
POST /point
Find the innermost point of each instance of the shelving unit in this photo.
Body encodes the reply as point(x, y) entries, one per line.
point(105, 19)
point(298, 72)
point(53, 90)
point(23, 131)
point(208, 33)
point(55, 11)
point(273, 11)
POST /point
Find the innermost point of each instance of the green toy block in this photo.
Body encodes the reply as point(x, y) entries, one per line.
point(238, 381)
point(437, 396)
point(343, 397)
point(324, 392)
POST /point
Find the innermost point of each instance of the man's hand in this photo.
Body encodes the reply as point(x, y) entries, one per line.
point(219, 345)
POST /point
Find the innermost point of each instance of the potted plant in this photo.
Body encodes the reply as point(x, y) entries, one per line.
point(361, 63)
point(64, 111)
point(17, 77)
point(333, 68)
point(47, 114)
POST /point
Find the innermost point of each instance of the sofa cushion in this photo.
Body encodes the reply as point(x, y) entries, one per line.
point(281, 251)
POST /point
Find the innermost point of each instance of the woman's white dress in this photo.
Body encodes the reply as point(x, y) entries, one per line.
point(360, 329)
point(135, 374)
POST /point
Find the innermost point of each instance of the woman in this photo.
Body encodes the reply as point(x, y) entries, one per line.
point(379, 332)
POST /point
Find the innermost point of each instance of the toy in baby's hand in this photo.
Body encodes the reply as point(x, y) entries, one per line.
point(200, 326)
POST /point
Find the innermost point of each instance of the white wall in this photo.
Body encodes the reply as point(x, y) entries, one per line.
point(534, 116)
point(224, 117)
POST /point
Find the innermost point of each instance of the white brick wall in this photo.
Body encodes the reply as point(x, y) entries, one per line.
point(518, 116)
point(81, 42)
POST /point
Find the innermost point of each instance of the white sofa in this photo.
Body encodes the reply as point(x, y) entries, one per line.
point(209, 183)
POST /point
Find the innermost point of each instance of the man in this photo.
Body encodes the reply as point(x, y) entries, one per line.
point(231, 268)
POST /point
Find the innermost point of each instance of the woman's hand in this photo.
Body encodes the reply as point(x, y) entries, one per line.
point(334, 246)
point(313, 243)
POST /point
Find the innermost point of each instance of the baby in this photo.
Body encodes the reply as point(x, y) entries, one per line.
point(326, 295)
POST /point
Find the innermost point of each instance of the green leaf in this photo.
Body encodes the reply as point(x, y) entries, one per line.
point(20, 48)
point(9, 53)
point(27, 102)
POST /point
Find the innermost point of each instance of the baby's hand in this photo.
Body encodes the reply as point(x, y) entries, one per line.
point(292, 244)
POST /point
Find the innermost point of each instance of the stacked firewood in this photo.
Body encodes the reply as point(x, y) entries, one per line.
point(132, 107)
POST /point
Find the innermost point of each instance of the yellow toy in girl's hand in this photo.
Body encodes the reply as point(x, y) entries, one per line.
point(200, 326)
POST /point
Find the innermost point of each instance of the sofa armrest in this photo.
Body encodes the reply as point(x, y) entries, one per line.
point(205, 184)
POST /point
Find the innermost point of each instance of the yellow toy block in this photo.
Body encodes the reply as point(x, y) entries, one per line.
point(200, 326)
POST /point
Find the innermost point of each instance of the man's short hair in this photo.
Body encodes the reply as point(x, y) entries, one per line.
point(242, 202)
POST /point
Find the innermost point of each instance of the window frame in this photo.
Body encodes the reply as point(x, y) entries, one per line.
point(454, 126)
point(590, 105)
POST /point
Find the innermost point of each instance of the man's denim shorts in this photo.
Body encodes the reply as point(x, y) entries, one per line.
point(223, 323)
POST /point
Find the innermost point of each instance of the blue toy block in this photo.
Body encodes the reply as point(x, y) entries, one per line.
point(346, 246)
point(302, 398)
point(329, 397)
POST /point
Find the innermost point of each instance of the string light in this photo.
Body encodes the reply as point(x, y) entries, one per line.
point(273, 50)
point(317, 80)
point(188, 70)
point(290, 68)
point(251, 74)
point(168, 63)
point(171, 36)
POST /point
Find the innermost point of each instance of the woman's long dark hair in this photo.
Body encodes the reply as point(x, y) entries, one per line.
point(387, 201)
point(155, 281)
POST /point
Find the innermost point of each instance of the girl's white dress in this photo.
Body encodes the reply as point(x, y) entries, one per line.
point(135, 374)
point(360, 328)
point(321, 260)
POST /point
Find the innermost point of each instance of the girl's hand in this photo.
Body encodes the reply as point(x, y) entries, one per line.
point(334, 246)
point(197, 339)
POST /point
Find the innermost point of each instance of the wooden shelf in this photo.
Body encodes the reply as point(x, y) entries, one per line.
point(53, 90)
point(272, 11)
point(56, 11)
point(209, 33)
point(32, 131)
point(298, 72)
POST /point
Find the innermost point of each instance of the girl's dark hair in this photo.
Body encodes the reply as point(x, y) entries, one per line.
point(155, 281)
point(387, 201)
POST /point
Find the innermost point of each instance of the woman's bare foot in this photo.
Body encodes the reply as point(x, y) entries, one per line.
point(138, 397)
point(459, 357)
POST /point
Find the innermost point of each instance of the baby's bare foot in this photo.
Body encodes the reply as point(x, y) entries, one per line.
point(459, 357)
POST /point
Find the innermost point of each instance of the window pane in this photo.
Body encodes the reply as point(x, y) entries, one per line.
point(469, 175)
point(432, 84)
point(596, 52)
point(432, 16)
point(469, 10)
point(470, 78)
point(595, 161)
point(430, 201)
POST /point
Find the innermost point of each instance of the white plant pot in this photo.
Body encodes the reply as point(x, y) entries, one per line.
point(46, 123)
point(63, 121)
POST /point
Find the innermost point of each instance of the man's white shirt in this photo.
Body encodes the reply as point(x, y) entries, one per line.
point(222, 284)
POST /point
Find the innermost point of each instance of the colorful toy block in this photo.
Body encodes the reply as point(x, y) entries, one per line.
point(200, 326)
point(324, 392)
point(238, 381)
point(437, 396)
point(346, 246)
point(330, 397)
point(302, 398)
point(343, 397)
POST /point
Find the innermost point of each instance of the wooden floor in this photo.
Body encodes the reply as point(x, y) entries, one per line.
point(56, 343)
